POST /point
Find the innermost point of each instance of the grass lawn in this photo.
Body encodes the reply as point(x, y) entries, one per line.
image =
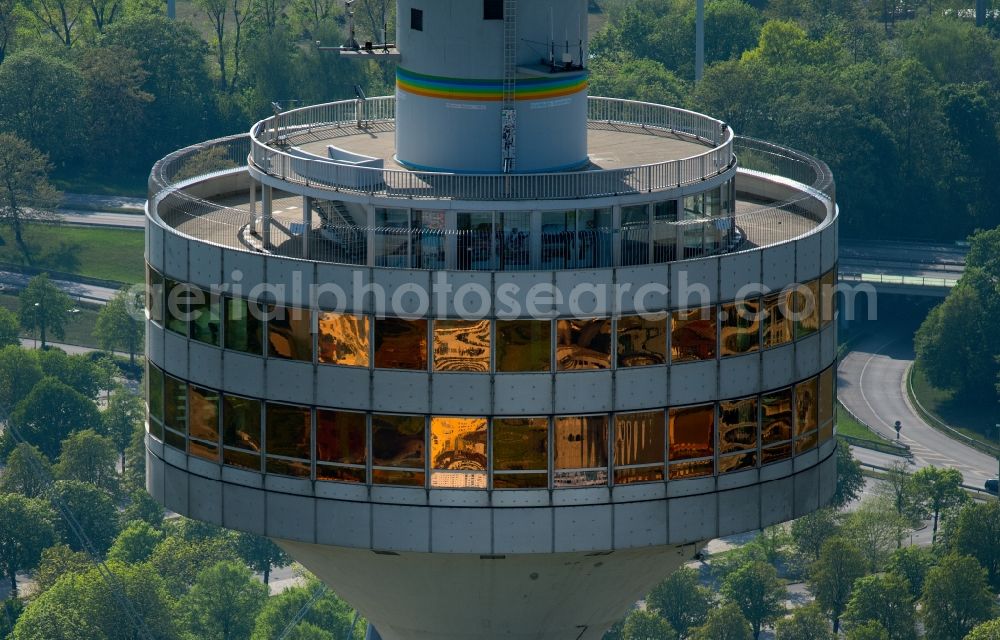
point(975, 420)
point(79, 330)
point(848, 426)
point(110, 254)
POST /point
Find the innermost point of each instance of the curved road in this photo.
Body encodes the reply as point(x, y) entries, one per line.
point(871, 383)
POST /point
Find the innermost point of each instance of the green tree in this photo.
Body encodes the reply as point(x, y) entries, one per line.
point(260, 554)
point(10, 611)
point(832, 577)
point(912, 563)
point(33, 77)
point(59, 17)
point(986, 631)
point(84, 606)
point(623, 76)
point(976, 532)
point(90, 458)
point(115, 107)
point(956, 598)
point(25, 191)
point(850, 481)
point(28, 472)
point(119, 326)
point(10, 330)
point(938, 491)
point(180, 561)
point(25, 530)
point(870, 630)
point(123, 415)
point(141, 506)
point(19, 373)
point(897, 489)
point(884, 599)
point(10, 16)
point(646, 625)
point(93, 512)
point(328, 612)
point(50, 413)
point(135, 543)
point(681, 600)
point(805, 623)
point(44, 307)
point(77, 371)
point(223, 602)
point(877, 530)
point(58, 561)
point(757, 591)
point(810, 532)
point(725, 622)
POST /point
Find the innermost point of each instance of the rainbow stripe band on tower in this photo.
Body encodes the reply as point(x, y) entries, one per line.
point(566, 84)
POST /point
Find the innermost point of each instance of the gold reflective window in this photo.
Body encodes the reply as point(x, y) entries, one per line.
point(640, 443)
point(692, 432)
point(692, 334)
point(521, 444)
point(241, 423)
point(806, 442)
point(178, 305)
point(825, 432)
point(241, 459)
point(805, 304)
point(738, 462)
point(458, 453)
point(154, 294)
point(828, 297)
point(336, 473)
point(341, 436)
point(206, 318)
point(777, 324)
point(694, 469)
point(806, 410)
point(244, 326)
point(204, 450)
point(175, 403)
point(204, 414)
point(523, 345)
point(776, 416)
point(461, 345)
point(776, 453)
point(288, 431)
point(581, 450)
point(827, 394)
point(399, 478)
point(398, 441)
point(583, 344)
point(289, 333)
point(640, 438)
point(296, 468)
point(154, 381)
point(739, 332)
point(642, 341)
point(738, 425)
point(400, 344)
point(343, 339)
point(174, 439)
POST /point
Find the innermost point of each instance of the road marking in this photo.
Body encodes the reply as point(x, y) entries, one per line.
point(861, 383)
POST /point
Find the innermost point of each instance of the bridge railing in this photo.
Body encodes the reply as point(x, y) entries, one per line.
point(909, 281)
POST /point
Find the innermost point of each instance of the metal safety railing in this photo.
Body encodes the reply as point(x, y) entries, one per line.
point(273, 137)
point(507, 242)
point(909, 281)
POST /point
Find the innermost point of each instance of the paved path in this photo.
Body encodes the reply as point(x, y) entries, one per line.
point(102, 218)
point(871, 383)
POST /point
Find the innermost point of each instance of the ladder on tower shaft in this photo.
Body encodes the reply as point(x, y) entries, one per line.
point(508, 143)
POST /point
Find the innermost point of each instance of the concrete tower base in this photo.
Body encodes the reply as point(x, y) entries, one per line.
point(422, 596)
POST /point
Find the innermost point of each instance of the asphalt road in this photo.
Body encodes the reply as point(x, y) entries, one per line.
point(75, 290)
point(103, 218)
point(929, 260)
point(871, 383)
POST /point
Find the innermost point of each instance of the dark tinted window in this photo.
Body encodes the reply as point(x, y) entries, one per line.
point(492, 9)
point(416, 19)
